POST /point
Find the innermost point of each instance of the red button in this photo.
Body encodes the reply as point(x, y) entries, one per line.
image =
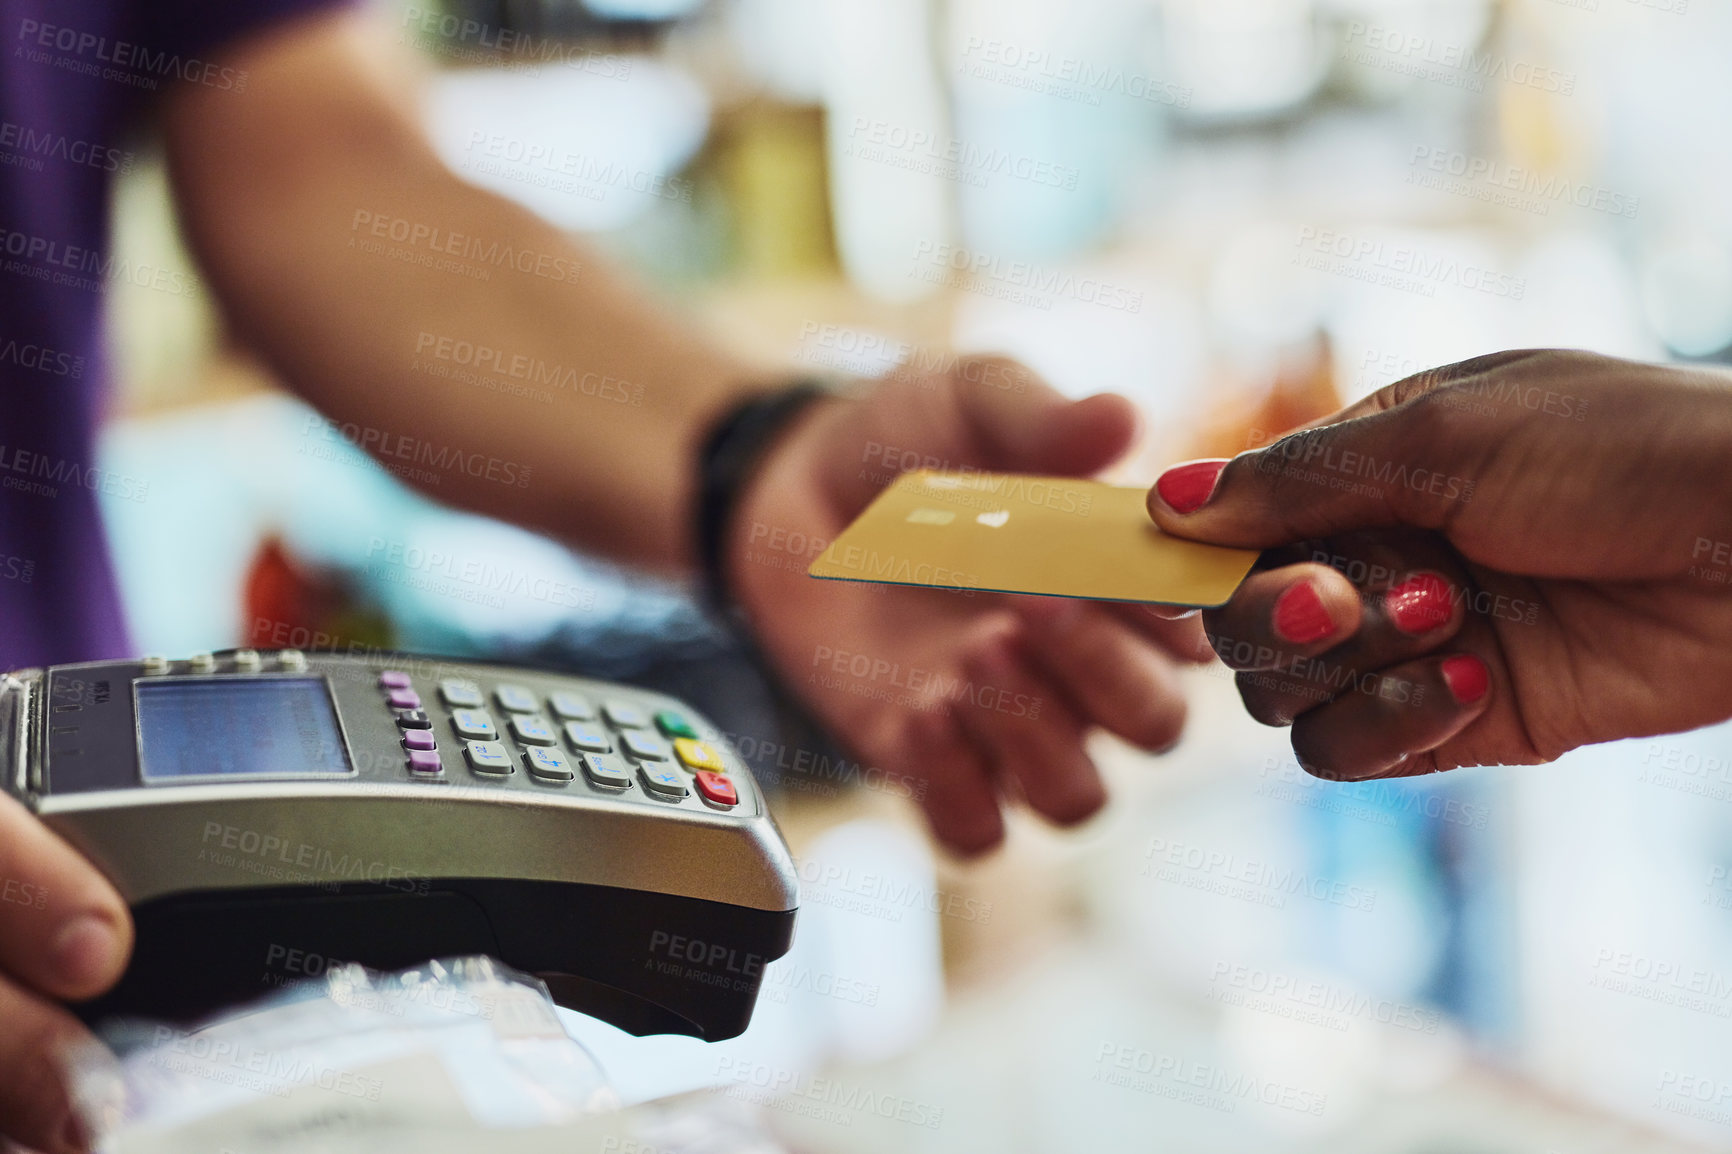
point(718, 789)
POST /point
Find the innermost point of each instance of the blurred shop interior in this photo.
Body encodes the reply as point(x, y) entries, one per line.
point(1239, 213)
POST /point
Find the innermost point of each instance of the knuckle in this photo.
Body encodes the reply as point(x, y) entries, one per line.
point(994, 372)
point(968, 839)
point(1154, 725)
point(1265, 698)
point(1238, 652)
point(1315, 756)
point(1075, 805)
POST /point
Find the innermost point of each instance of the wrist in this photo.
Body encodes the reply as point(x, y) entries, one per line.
point(730, 459)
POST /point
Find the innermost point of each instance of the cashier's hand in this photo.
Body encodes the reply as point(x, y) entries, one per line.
point(1488, 563)
point(64, 935)
point(961, 698)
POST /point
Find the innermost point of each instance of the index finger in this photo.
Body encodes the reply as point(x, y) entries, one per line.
point(1380, 462)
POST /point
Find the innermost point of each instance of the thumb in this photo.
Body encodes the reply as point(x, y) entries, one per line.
point(63, 929)
point(1022, 425)
point(1388, 468)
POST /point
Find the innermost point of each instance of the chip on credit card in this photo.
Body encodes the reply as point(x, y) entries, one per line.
point(1013, 533)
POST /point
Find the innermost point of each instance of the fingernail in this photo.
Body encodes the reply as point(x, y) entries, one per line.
point(1300, 617)
point(1466, 677)
point(1186, 487)
point(86, 953)
point(1419, 604)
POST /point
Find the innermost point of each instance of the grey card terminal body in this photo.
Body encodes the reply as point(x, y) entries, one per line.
point(270, 813)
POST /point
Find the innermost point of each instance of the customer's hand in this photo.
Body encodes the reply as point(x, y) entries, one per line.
point(1493, 562)
point(957, 698)
point(64, 934)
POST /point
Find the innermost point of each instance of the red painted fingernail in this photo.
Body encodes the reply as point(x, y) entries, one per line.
point(1186, 487)
point(1419, 604)
point(1466, 677)
point(1300, 617)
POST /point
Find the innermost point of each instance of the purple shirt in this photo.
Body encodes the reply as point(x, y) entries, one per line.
point(75, 78)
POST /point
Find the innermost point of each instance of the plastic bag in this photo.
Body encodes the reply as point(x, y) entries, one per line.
point(357, 1059)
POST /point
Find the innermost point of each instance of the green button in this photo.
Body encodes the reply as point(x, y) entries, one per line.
point(673, 725)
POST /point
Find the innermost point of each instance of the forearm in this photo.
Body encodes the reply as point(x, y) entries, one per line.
point(379, 287)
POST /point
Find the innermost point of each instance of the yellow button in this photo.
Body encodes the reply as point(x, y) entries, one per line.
point(699, 755)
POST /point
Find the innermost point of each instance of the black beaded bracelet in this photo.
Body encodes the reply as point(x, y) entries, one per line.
point(729, 457)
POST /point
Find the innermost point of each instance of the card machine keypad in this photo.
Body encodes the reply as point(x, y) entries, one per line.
point(493, 745)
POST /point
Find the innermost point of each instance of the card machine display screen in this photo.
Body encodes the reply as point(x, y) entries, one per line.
point(238, 727)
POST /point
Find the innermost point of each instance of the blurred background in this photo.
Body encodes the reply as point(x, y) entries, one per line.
point(1240, 213)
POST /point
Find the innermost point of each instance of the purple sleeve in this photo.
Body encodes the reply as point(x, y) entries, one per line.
point(197, 30)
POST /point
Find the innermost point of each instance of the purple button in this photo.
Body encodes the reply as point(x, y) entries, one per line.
point(404, 699)
point(419, 739)
point(393, 679)
point(424, 761)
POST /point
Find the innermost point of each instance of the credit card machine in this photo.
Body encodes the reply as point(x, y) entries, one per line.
point(271, 813)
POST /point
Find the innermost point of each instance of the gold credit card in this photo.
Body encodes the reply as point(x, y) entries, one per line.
point(1011, 533)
